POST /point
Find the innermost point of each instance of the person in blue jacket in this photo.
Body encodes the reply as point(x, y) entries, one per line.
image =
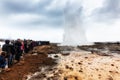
point(3, 62)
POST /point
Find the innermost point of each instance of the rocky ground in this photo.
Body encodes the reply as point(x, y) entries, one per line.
point(29, 64)
point(98, 62)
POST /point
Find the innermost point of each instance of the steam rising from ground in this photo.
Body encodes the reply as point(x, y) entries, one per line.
point(74, 32)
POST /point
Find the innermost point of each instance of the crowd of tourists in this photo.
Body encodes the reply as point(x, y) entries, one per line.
point(13, 50)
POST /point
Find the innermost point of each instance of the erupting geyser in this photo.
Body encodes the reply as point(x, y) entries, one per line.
point(74, 32)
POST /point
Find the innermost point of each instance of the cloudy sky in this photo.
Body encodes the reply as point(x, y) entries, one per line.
point(44, 19)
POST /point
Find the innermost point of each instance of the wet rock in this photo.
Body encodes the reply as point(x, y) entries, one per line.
point(112, 64)
point(111, 71)
point(76, 78)
point(67, 67)
point(65, 78)
point(60, 71)
point(116, 72)
point(65, 54)
point(97, 69)
point(89, 63)
point(79, 63)
point(55, 78)
point(86, 57)
point(50, 69)
point(104, 54)
point(71, 68)
point(56, 56)
point(80, 71)
point(99, 74)
point(99, 77)
point(72, 77)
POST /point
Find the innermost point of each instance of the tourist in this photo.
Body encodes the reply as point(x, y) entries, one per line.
point(25, 46)
point(22, 47)
point(8, 49)
point(18, 50)
point(3, 62)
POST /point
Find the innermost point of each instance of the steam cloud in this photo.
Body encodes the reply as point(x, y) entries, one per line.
point(76, 20)
point(74, 32)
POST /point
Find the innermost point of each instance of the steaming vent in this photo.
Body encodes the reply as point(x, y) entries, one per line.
point(74, 34)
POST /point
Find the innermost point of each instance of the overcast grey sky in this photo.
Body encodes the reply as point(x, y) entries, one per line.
point(44, 19)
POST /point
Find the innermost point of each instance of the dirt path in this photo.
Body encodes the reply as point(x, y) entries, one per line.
point(28, 66)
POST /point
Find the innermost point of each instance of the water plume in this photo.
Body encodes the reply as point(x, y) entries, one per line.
point(74, 33)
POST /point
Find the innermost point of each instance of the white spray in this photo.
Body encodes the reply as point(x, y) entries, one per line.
point(74, 32)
